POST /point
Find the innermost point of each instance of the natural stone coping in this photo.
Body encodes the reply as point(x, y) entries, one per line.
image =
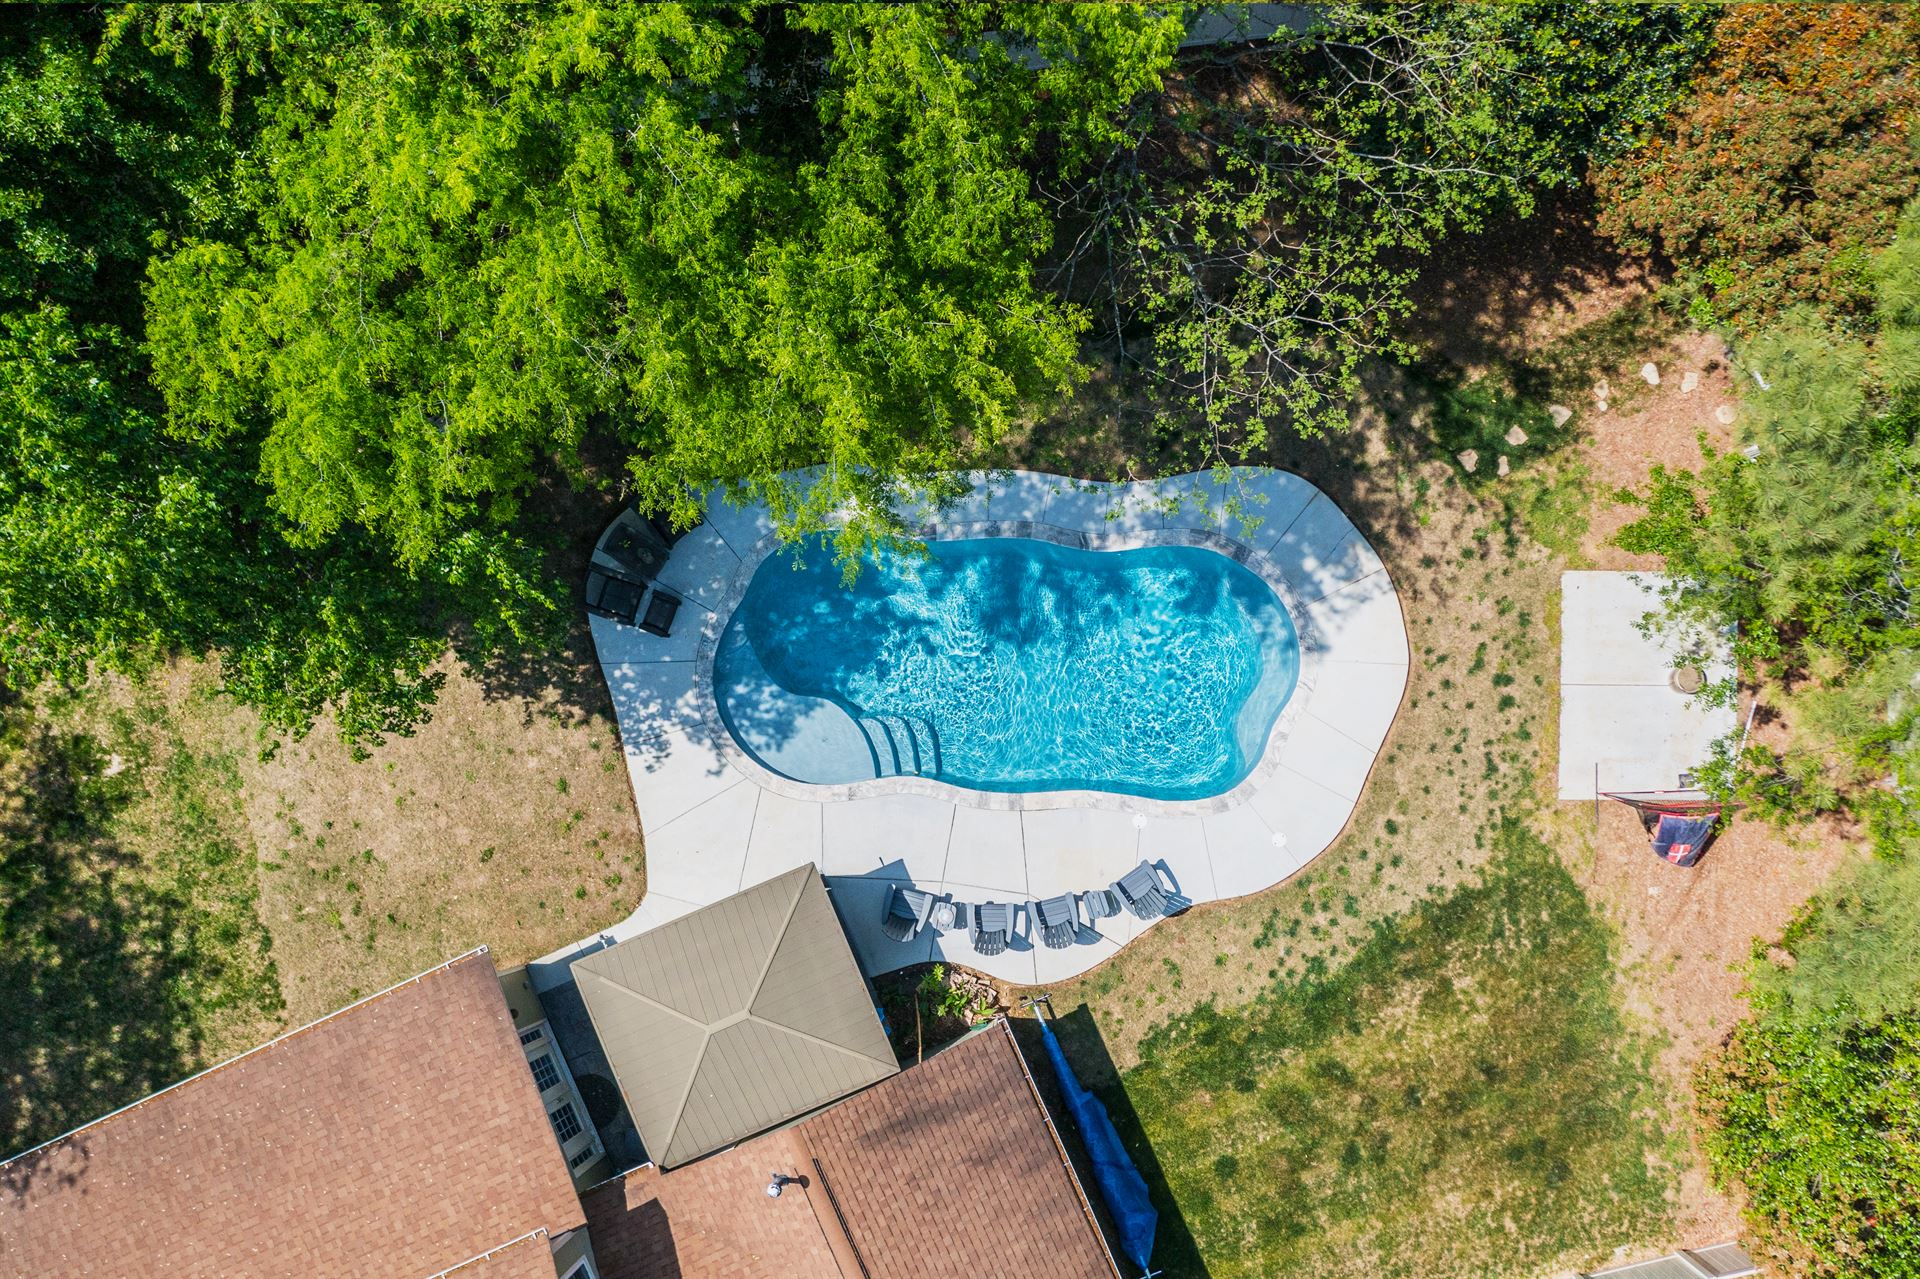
point(717, 821)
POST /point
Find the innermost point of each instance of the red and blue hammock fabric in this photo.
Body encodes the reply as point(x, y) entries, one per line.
point(1681, 837)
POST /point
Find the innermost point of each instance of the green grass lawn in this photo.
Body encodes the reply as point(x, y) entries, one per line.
point(131, 951)
point(1462, 1096)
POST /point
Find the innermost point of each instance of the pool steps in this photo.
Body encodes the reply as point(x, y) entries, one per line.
point(887, 735)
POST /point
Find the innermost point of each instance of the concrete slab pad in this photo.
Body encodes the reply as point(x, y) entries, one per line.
point(987, 847)
point(1074, 849)
point(1322, 753)
point(1240, 846)
point(966, 510)
point(1357, 698)
point(700, 855)
point(1601, 641)
point(652, 698)
point(618, 645)
point(1021, 495)
point(1307, 813)
point(674, 774)
point(786, 833)
point(700, 567)
point(1180, 842)
point(1638, 738)
point(1361, 622)
point(1622, 725)
point(1095, 508)
point(1262, 504)
point(904, 836)
point(741, 527)
point(1321, 551)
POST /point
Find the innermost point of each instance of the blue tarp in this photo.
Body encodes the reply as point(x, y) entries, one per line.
point(1120, 1183)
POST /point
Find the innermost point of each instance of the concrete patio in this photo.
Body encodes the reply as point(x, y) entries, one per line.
point(1623, 726)
point(716, 821)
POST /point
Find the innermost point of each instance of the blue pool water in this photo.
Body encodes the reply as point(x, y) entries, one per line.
point(1010, 664)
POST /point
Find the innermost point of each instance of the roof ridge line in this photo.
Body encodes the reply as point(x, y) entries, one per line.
point(706, 1028)
point(824, 1043)
point(237, 1058)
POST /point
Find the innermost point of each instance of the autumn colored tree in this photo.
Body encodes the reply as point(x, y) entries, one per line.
point(1789, 164)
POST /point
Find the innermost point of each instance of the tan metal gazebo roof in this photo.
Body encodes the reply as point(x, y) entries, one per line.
point(736, 1018)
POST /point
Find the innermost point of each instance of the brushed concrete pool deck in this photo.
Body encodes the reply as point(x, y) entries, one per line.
point(716, 821)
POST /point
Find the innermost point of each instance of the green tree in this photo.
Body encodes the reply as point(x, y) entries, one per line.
point(1253, 241)
point(121, 541)
point(1802, 540)
point(486, 237)
point(1788, 163)
point(1818, 1119)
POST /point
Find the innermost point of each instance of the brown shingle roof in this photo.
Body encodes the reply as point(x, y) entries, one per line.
point(945, 1170)
point(396, 1138)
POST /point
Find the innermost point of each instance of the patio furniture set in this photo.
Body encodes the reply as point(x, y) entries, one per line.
point(1147, 891)
point(632, 597)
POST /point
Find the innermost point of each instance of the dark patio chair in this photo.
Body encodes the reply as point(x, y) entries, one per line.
point(1100, 903)
point(613, 596)
point(637, 548)
point(906, 912)
point(661, 610)
point(992, 925)
point(1141, 890)
point(1059, 920)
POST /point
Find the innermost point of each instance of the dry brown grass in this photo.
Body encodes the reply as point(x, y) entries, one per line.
point(507, 822)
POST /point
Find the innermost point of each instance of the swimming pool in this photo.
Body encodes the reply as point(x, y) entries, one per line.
point(1009, 664)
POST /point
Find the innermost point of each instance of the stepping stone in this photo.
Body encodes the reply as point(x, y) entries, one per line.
point(1601, 407)
point(1516, 437)
point(1503, 468)
point(1650, 373)
point(1560, 414)
point(1468, 458)
point(1724, 415)
point(1690, 382)
point(1603, 390)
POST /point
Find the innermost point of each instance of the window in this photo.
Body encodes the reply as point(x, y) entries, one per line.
point(566, 1124)
point(582, 1269)
point(544, 1073)
point(532, 1035)
point(582, 1158)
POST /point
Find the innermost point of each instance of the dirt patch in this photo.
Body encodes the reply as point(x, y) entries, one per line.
point(1648, 425)
point(1687, 935)
point(1524, 285)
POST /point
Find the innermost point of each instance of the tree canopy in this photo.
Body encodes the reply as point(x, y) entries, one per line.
point(484, 234)
point(1787, 165)
point(1803, 538)
point(303, 305)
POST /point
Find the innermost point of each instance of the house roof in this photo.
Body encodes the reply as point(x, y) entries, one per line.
point(901, 1181)
point(735, 1018)
point(396, 1139)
